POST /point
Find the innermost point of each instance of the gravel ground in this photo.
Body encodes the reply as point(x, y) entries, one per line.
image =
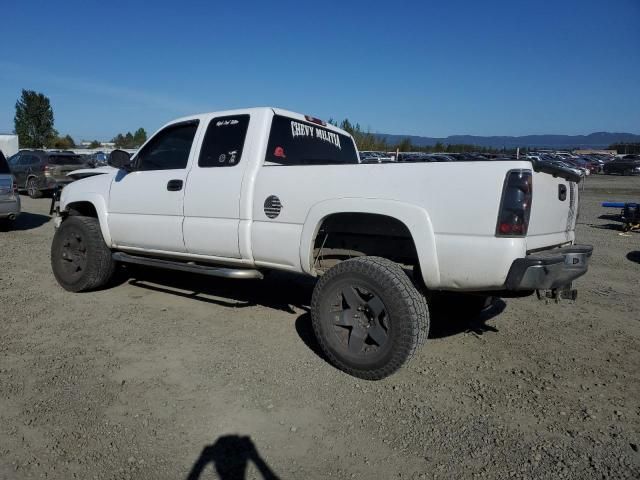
point(178, 376)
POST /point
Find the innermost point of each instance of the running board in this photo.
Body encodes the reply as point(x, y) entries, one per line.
point(238, 273)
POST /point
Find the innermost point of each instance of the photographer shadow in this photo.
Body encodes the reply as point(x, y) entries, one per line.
point(230, 456)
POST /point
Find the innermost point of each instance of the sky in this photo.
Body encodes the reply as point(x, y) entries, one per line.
point(431, 68)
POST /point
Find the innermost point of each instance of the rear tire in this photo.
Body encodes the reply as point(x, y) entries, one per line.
point(368, 317)
point(80, 259)
point(32, 188)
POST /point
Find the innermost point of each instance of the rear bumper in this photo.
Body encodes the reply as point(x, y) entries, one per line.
point(9, 207)
point(550, 269)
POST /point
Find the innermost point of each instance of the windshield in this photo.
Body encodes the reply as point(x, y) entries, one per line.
point(65, 160)
point(294, 142)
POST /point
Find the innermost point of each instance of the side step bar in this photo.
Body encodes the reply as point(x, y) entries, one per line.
point(238, 273)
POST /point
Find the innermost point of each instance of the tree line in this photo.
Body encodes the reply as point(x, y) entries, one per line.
point(365, 140)
point(34, 125)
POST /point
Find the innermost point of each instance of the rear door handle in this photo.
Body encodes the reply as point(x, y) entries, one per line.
point(174, 185)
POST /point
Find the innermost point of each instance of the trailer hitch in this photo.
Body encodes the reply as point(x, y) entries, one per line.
point(557, 294)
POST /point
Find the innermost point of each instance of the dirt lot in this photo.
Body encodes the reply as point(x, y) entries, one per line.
point(175, 376)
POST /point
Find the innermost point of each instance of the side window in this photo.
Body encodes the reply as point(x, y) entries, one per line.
point(169, 149)
point(223, 143)
point(24, 160)
point(33, 160)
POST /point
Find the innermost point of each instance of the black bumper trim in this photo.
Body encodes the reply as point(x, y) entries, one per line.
point(549, 269)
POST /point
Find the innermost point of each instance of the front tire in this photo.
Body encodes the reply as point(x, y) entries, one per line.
point(80, 259)
point(368, 317)
point(32, 188)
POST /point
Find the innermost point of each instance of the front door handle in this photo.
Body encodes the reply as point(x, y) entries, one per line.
point(174, 185)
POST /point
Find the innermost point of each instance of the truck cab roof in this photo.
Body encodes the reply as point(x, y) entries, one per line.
point(260, 110)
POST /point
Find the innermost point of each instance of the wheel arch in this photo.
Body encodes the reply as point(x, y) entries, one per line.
point(92, 205)
point(416, 220)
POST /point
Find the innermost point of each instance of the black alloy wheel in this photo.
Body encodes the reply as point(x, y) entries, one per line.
point(360, 319)
point(368, 317)
point(73, 254)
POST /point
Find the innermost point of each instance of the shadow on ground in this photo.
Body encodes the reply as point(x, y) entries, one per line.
point(634, 256)
point(230, 456)
point(25, 221)
point(279, 290)
point(607, 226)
point(443, 323)
point(610, 216)
point(283, 291)
point(453, 319)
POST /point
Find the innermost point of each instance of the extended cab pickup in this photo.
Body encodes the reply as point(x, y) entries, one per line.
point(238, 193)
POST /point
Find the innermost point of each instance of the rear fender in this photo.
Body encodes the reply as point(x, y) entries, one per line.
point(416, 220)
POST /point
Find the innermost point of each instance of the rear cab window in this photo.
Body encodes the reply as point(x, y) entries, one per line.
point(296, 142)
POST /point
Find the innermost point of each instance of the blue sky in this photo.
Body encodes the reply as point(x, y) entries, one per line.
point(432, 68)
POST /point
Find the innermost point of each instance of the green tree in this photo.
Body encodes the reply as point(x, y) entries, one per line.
point(119, 140)
point(63, 143)
point(33, 121)
point(139, 137)
point(95, 144)
point(70, 141)
point(346, 126)
point(405, 145)
point(129, 140)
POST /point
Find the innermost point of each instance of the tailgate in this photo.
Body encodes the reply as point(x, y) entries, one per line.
point(60, 165)
point(59, 172)
point(554, 211)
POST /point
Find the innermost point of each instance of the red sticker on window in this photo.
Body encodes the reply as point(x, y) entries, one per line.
point(279, 152)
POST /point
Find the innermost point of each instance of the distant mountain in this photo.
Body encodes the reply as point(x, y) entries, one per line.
point(593, 140)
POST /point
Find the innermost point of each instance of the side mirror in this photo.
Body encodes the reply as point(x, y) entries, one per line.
point(120, 159)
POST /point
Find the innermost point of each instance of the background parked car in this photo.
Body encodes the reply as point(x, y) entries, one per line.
point(9, 198)
point(375, 157)
point(37, 171)
point(627, 165)
point(97, 159)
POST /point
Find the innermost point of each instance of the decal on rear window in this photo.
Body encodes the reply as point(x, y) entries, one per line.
point(300, 129)
point(294, 142)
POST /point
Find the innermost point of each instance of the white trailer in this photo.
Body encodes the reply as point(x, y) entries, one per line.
point(9, 144)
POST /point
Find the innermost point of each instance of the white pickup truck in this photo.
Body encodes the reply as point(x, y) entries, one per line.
point(237, 193)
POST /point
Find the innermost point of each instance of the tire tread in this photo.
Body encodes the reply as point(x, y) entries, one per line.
point(100, 264)
point(390, 275)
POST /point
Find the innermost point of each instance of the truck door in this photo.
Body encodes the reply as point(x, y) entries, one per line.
point(214, 188)
point(146, 204)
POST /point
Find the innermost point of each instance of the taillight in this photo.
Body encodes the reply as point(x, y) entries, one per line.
point(47, 170)
point(315, 120)
point(15, 186)
point(515, 205)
